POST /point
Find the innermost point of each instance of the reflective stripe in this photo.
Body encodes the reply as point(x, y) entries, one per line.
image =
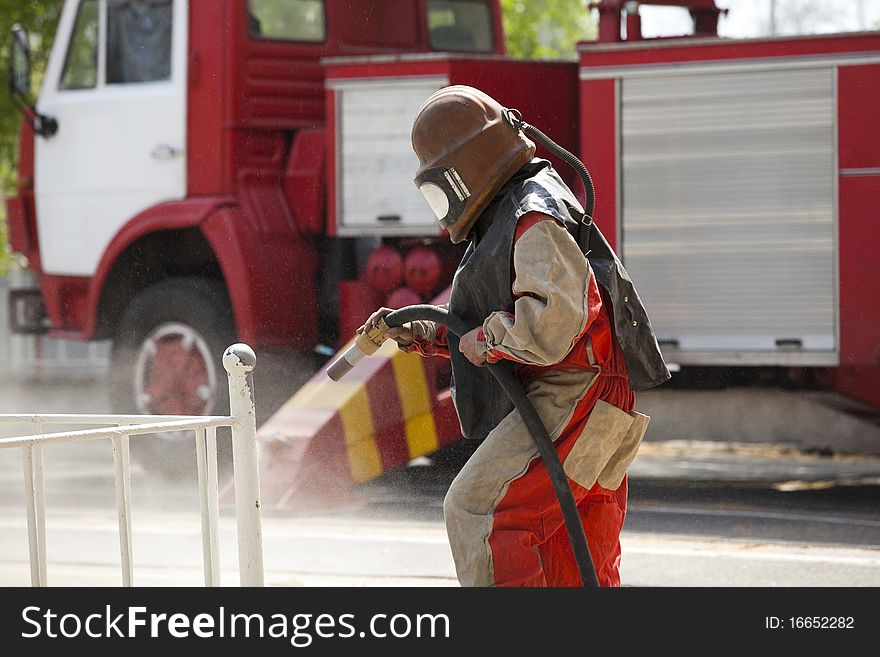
point(364, 460)
point(319, 395)
point(357, 424)
point(415, 400)
point(385, 402)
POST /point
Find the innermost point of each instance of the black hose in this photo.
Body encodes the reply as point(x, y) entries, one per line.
point(504, 373)
point(515, 119)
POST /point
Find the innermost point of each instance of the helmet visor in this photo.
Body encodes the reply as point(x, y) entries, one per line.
point(445, 192)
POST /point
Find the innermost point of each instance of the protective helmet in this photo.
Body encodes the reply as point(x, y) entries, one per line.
point(467, 150)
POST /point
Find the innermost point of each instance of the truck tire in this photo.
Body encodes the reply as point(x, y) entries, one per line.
point(167, 360)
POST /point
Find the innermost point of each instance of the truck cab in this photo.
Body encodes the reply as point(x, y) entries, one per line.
point(179, 202)
point(173, 195)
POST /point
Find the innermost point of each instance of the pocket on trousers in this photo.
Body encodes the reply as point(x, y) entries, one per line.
point(602, 438)
point(612, 475)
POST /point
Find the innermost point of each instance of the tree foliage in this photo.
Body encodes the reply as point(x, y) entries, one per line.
point(546, 29)
point(40, 18)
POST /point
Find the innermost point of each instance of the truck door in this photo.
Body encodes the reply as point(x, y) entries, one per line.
point(116, 83)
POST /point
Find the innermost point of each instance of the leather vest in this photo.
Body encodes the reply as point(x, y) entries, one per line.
point(482, 285)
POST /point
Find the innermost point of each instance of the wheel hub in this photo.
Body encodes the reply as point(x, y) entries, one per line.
point(175, 373)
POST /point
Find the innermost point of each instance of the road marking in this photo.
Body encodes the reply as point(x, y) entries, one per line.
point(69, 574)
point(428, 534)
point(423, 535)
point(755, 554)
point(763, 515)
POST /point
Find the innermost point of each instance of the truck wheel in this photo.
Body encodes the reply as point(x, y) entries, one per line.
point(167, 360)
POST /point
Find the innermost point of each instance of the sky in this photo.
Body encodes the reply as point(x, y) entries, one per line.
point(751, 18)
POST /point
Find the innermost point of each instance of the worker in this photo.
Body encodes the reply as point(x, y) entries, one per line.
point(536, 301)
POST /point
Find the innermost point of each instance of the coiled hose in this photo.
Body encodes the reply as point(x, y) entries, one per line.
point(504, 373)
point(514, 117)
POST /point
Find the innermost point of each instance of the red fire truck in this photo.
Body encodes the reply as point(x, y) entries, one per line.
point(196, 172)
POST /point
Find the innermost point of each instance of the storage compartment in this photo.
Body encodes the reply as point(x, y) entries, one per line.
point(372, 102)
point(375, 163)
point(728, 218)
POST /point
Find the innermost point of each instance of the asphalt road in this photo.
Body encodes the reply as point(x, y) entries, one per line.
point(678, 532)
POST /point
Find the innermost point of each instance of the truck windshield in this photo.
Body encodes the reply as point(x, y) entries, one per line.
point(286, 20)
point(460, 25)
point(138, 40)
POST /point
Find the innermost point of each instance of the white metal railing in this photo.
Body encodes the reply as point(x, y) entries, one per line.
point(239, 361)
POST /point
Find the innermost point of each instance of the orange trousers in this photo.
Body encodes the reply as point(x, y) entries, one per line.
point(502, 514)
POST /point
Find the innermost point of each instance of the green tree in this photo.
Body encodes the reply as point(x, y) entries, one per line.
point(40, 18)
point(546, 29)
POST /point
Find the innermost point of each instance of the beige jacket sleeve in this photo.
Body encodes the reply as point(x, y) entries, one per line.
point(552, 283)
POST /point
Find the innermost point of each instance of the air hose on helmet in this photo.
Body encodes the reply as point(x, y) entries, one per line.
point(514, 117)
point(503, 372)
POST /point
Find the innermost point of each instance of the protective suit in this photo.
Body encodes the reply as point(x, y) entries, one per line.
point(537, 302)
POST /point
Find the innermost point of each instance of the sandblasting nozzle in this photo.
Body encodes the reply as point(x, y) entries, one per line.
point(366, 344)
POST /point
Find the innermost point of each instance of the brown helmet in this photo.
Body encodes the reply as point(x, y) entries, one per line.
point(467, 150)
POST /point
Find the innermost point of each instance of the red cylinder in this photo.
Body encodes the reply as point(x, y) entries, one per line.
point(422, 270)
point(384, 269)
point(402, 296)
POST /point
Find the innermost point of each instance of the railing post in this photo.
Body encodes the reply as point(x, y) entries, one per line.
point(35, 503)
point(206, 454)
point(239, 361)
point(122, 470)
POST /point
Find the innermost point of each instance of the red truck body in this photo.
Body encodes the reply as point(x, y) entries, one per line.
point(270, 213)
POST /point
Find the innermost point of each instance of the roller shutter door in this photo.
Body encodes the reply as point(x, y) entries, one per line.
point(374, 157)
point(728, 213)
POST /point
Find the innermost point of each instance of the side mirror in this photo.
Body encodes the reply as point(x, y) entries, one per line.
point(20, 63)
point(20, 83)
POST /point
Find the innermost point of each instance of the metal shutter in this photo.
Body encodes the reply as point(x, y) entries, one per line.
point(374, 157)
point(728, 213)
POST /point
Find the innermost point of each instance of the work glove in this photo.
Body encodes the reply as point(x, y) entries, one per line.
point(473, 346)
point(403, 335)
